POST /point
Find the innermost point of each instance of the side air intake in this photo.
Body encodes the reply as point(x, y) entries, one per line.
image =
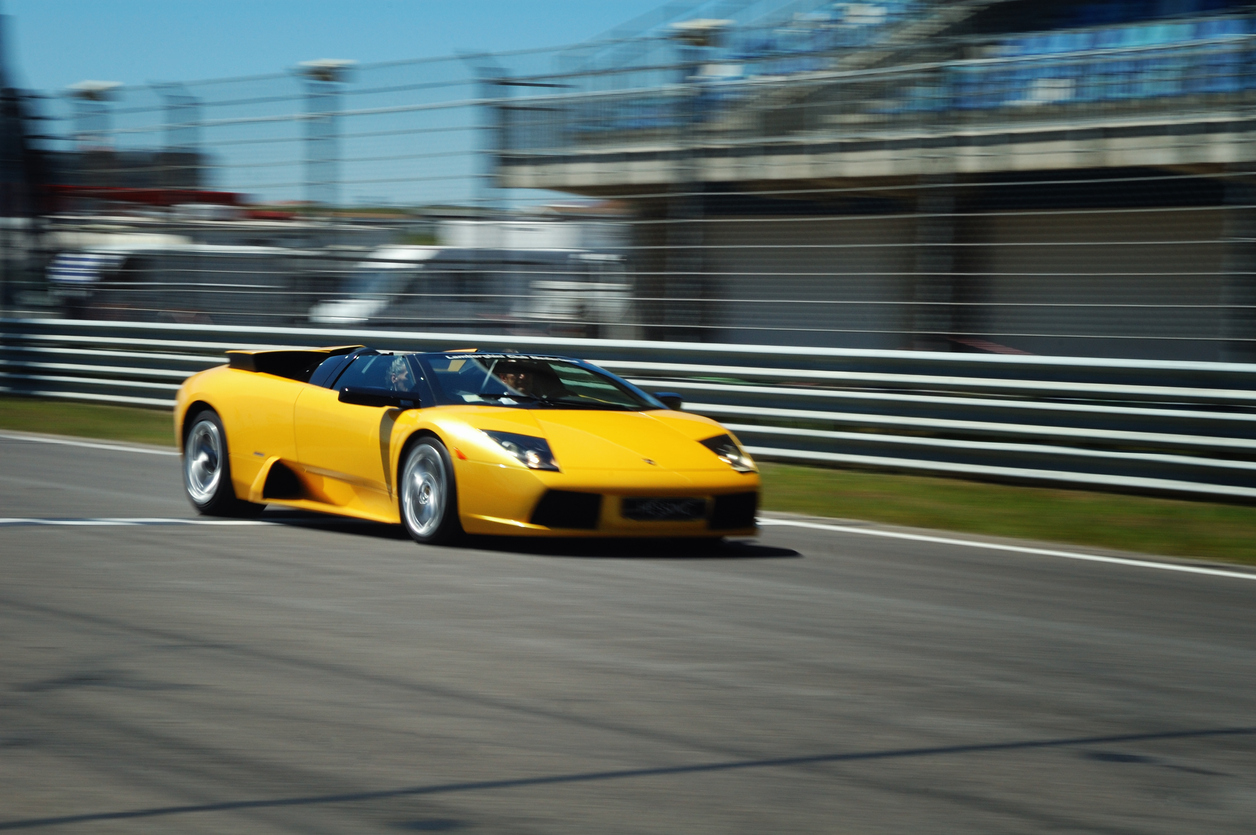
point(281, 483)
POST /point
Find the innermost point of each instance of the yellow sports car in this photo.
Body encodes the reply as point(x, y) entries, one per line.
point(459, 441)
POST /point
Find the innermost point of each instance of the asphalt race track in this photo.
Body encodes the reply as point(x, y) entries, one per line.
point(315, 676)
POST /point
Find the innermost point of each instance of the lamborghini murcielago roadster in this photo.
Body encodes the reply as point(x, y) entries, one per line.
point(455, 442)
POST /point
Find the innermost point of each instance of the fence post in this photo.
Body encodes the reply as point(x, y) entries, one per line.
point(323, 80)
point(182, 138)
point(91, 130)
point(933, 290)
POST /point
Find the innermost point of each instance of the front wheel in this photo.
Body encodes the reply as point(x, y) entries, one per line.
point(429, 497)
point(207, 470)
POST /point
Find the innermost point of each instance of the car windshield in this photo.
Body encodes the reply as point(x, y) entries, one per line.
point(516, 381)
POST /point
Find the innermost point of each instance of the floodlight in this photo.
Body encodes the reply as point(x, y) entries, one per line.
point(703, 31)
point(94, 90)
point(326, 69)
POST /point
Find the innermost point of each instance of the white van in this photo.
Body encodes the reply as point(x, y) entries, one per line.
point(184, 282)
point(566, 292)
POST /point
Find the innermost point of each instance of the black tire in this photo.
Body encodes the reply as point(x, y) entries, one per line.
point(207, 469)
point(428, 495)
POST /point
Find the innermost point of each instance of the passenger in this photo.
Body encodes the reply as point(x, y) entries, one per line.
point(399, 378)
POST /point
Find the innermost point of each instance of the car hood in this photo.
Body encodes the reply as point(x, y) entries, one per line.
point(583, 440)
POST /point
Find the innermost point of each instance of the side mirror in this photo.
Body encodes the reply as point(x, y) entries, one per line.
point(670, 399)
point(376, 397)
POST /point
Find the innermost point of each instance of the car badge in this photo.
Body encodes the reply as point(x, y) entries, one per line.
point(651, 463)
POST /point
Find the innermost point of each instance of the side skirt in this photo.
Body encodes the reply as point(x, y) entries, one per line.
point(279, 483)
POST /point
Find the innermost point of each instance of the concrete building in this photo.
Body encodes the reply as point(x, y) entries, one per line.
point(1061, 178)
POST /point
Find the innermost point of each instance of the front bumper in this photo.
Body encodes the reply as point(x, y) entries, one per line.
point(516, 502)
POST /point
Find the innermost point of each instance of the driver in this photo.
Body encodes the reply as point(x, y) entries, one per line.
point(516, 377)
point(531, 379)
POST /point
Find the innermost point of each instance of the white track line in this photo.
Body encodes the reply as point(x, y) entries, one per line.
point(1016, 549)
point(44, 439)
point(119, 521)
point(940, 540)
point(122, 522)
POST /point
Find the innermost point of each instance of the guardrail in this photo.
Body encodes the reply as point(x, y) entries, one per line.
point(1184, 428)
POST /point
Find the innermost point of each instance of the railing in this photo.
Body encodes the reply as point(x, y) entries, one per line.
point(1185, 428)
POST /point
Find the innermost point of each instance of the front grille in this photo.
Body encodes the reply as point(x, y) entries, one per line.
point(735, 510)
point(568, 509)
point(663, 509)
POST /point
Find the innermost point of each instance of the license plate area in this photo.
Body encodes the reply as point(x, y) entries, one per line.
point(663, 509)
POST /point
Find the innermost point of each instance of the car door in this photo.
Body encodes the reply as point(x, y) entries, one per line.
point(344, 447)
point(258, 421)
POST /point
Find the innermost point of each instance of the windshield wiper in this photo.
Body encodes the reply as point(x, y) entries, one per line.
point(561, 402)
point(500, 395)
point(587, 404)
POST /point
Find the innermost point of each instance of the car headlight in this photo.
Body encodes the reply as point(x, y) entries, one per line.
point(533, 453)
point(728, 451)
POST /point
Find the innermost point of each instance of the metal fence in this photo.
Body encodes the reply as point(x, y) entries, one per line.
point(1176, 428)
point(853, 178)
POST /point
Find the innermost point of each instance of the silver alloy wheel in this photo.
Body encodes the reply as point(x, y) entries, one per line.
point(423, 491)
point(203, 461)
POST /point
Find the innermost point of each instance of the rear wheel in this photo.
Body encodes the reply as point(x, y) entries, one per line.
point(428, 494)
point(207, 469)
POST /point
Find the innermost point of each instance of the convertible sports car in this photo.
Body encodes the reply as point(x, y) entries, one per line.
point(458, 441)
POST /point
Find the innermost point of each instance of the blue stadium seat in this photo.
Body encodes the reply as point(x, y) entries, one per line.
point(1109, 38)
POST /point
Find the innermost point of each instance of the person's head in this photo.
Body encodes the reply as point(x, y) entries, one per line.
point(515, 375)
point(399, 374)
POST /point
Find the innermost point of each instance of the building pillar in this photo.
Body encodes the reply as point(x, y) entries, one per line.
point(684, 284)
point(649, 263)
point(933, 293)
point(1238, 313)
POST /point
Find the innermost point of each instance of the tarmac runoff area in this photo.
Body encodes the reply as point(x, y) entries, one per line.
point(300, 673)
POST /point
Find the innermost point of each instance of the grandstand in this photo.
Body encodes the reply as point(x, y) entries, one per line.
point(831, 74)
point(975, 173)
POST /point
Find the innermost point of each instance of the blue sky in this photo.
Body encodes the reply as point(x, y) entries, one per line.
point(53, 44)
point(59, 42)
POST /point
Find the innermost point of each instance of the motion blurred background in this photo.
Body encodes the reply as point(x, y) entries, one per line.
point(992, 238)
point(1067, 178)
point(973, 265)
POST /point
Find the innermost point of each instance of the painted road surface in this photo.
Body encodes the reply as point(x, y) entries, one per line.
point(308, 675)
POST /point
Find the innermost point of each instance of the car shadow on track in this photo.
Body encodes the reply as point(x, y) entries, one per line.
point(653, 549)
point(639, 549)
point(337, 524)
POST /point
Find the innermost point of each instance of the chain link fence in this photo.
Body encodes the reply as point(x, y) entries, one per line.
point(965, 177)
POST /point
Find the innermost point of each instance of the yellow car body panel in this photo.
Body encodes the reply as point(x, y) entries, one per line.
point(346, 457)
point(340, 444)
point(256, 410)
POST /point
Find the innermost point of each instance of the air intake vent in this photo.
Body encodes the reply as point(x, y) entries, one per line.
point(565, 509)
point(281, 483)
point(664, 510)
point(736, 510)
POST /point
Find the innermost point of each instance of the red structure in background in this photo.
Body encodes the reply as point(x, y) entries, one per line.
point(163, 197)
point(64, 195)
